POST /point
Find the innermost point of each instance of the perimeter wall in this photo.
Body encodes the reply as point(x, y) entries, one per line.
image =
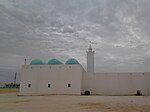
point(116, 83)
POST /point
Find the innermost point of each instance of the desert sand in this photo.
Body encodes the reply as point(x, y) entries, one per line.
point(69, 103)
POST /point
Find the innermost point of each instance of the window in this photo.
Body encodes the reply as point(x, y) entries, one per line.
point(69, 85)
point(29, 85)
point(49, 85)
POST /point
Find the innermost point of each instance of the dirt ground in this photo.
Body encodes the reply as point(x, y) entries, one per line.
point(65, 103)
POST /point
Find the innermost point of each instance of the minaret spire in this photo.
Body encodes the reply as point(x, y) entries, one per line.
point(90, 47)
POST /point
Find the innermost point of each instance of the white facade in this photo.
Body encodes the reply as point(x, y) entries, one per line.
point(90, 60)
point(51, 79)
point(60, 76)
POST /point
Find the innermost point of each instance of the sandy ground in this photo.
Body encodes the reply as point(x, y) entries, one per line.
point(63, 103)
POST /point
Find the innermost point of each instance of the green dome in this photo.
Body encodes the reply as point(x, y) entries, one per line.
point(54, 62)
point(36, 62)
point(72, 61)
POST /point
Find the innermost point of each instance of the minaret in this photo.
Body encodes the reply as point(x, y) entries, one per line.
point(90, 59)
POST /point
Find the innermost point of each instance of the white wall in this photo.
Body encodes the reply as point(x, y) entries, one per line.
point(39, 76)
point(116, 83)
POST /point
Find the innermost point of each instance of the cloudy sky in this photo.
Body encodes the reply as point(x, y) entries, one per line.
point(62, 29)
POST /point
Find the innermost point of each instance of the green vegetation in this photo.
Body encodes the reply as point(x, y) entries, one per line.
point(21, 101)
point(8, 90)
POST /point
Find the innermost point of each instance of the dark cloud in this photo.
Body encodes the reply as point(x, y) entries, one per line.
point(62, 29)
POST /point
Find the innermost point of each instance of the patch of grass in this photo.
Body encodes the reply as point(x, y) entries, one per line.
point(21, 101)
point(8, 90)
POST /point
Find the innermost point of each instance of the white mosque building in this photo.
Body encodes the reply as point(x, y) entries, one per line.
point(70, 78)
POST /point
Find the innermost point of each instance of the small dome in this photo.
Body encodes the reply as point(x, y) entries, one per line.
point(72, 61)
point(54, 62)
point(36, 62)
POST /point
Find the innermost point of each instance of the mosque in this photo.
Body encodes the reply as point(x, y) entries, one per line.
point(55, 77)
